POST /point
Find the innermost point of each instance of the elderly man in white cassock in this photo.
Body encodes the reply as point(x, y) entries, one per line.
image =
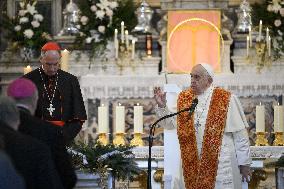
point(214, 143)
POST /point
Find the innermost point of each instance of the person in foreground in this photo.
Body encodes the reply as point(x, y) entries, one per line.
point(25, 94)
point(214, 143)
point(60, 99)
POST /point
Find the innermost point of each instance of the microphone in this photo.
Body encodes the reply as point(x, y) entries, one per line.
point(193, 106)
point(190, 110)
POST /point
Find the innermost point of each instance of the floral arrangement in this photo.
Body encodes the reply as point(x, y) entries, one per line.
point(100, 159)
point(98, 21)
point(26, 29)
point(272, 15)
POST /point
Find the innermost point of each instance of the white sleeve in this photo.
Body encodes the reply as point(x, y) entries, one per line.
point(169, 123)
point(242, 146)
point(236, 119)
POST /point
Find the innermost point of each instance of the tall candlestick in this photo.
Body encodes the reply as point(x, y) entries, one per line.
point(133, 50)
point(247, 46)
point(102, 119)
point(260, 29)
point(126, 39)
point(269, 46)
point(250, 37)
point(116, 47)
point(120, 119)
point(27, 69)
point(138, 119)
point(260, 119)
point(267, 36)
point(278, 119)
point(64, 60)
point(122, 32)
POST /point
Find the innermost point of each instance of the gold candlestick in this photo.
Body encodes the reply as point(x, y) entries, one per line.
point(278, 139)
point(119, 139)
point(260, 139)
point(103, 139)
point(137, 140)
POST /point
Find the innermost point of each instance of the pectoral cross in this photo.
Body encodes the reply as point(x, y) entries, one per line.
point(50, 109)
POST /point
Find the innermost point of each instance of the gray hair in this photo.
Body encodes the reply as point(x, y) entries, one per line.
point(9, 113)
point(43, 54)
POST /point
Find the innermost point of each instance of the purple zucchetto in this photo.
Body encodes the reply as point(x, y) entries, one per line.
point(21, 88)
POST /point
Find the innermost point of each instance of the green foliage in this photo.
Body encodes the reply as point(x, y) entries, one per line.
point(114, 12)
point(119, 160)
point(26, 29)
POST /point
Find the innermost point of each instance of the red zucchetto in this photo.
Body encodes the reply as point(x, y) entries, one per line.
point(21, 88)
point(51, 46)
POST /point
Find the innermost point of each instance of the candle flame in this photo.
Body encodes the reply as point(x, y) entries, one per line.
point(103, 105)
point(137, 104)
point(278, 104)
point(260, 103)
point(119, 104)
point(28, 66)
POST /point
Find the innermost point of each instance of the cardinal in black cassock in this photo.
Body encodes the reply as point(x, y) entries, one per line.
point(60, 99)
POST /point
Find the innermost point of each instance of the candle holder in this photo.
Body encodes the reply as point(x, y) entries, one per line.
point(137, 140)
point(260, 139)
point(103, 139)
point(119, 139)
point(278, 139)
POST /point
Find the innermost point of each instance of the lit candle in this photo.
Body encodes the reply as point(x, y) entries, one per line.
point(260, 29)
point(278, 119)
point(269, 46)
point(126, 39)
point(27, 69)
point(260, 118)
point(115, 34)
point(122, 32)
point(102, 119)
point(64, 60)
point(138, 119)
point(120, 119)
point(250, 38)
point(267, 36)
point(133, 49)
point(247, 46)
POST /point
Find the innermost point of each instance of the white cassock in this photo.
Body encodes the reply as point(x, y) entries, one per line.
point(235, 149)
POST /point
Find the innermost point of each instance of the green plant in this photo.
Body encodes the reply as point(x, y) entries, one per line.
point(98, 21)
point(27, 28)
point(97, 158)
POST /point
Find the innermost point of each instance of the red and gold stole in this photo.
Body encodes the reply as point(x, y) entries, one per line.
point(201, 173)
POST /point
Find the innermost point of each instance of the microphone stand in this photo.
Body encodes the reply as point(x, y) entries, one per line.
point(151, 136)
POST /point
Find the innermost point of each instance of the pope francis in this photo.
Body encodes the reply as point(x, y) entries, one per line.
point(214, 143)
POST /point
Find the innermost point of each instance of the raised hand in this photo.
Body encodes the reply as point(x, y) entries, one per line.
point(160, 97)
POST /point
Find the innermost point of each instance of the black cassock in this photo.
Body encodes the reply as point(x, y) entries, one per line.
point(60, 99)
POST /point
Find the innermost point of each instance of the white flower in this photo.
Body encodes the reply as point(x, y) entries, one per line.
point(279, 32)
point(113, 4)
point(17, 28)
point(94, 8)
point(84, 20)
point(89, 40)
point(281, 11)
point(35, 24)
point(277, 23)
point(23, 20)
point(100, 14)
point(78, 26)
point(109, 12)
point(269, 8)
point(22, 5)
point(31, 9)
point(38, 17)
point(28, 33)
point(101, 29)
point(22, 12)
